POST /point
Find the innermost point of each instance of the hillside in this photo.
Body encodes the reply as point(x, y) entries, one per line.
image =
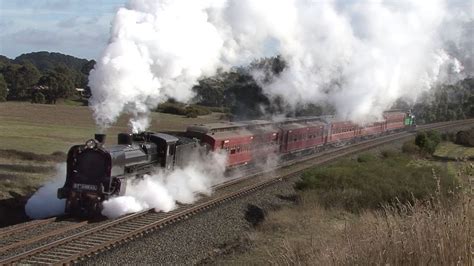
point(44, 61)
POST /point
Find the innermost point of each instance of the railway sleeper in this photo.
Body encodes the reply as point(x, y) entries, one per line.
point(56, 253)
point(90, 242)
point(80, 245)
point(136, 224)
point(32, 262)
point(40, 260)
point(126, 229)
point(63, 251)
point(50, 256)
point(99, 238)
point(73, 246)
point(110, 234)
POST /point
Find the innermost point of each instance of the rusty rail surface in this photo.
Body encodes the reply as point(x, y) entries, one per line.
point(93, 241)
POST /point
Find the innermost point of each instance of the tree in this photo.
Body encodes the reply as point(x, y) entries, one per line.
point(58, 86)
point(20, 79)
point(428, 141)
point(38, 97)
point(3, 89)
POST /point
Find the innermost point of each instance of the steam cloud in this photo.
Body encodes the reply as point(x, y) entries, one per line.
point(44, 203)
point(358, 55)
point(163, 190)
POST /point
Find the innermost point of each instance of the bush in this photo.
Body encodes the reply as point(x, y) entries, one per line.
point(448, 136)
point(428, 141)
point(38, 98)
point(171, 108)
point(356, 186)
point(389, 153)
point(434, 136)
point(366, 157)
point(176, 108)
point(465, 138)
point(191, 113)
point(219, 109)
point(410, 147)
point(198, 109)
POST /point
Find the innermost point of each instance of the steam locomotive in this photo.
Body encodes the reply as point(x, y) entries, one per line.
point(96, 172)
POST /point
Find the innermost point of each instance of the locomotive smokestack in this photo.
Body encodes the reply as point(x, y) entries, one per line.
point(125, 139)
point(100, 138)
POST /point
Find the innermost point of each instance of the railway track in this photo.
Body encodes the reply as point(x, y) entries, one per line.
point(93, 240)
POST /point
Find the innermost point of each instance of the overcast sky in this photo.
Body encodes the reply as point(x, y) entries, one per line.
point(75, 27)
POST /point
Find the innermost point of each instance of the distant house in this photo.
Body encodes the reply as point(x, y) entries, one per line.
point(40, 88)
point(83, 92)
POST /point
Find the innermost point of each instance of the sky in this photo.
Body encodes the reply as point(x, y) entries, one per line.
point(76, 27)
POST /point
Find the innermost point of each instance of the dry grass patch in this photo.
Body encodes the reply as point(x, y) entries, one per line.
point(420, 234)
point(435, 229)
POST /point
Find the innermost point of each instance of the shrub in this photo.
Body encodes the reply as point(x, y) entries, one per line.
point(171, 108)
point(410, 147)
point(355, 186)
point(198, 109)
point(366, 157)
point(219, 109)
point(428, 141)
point(434, 136)
point(465, 138)
point(191, 113)
point(389, 153)
point(38, 98)
point(177, 108)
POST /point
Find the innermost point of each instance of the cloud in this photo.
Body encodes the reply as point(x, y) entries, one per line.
point(68, 23)
point(79, 28)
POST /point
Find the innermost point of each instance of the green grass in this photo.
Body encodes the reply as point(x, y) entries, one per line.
point(44, 129)
point(449, 150)
point(369, 182)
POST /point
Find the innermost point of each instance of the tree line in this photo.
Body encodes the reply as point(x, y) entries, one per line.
point(42, 77)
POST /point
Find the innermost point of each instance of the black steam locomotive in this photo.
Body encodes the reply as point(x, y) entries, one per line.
point(96, 172)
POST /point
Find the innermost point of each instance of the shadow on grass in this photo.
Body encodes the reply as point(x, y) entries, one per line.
point(12, 210)
point(24, 168)
point(30, 156)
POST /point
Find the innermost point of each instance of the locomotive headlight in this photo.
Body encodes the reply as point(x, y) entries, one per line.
point(91, 144)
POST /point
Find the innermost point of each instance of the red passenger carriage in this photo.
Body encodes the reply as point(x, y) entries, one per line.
point(341, 132)
point(394, 120)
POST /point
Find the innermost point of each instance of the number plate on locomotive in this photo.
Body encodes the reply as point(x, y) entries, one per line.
point(85, 187)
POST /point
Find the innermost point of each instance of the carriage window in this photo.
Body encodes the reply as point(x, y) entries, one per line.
point(232, 151)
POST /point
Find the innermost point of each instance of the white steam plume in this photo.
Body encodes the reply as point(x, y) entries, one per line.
point(163, 190)
point(358, 55)
point(44, 203)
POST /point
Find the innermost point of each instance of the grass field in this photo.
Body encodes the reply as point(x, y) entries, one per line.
point(453, 151)
point(45, 129)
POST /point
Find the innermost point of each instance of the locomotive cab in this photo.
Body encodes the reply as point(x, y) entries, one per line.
point(166, 147)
